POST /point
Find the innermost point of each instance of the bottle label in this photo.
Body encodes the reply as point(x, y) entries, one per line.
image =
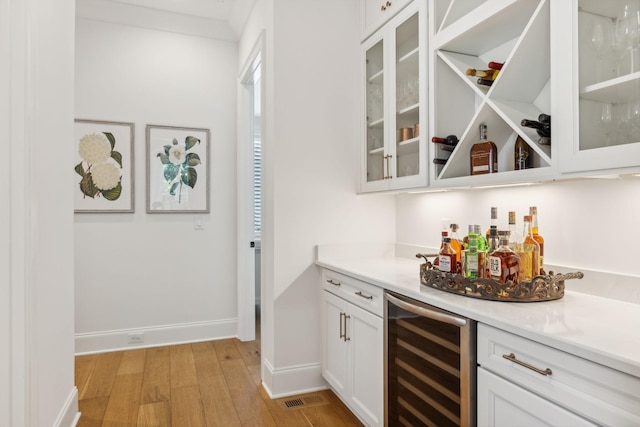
point(495, 266)
point(444, 263)
point(472, 265)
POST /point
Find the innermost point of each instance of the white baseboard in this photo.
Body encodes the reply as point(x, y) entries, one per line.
point(100, 342)
point(69, 414)
point(283, 382)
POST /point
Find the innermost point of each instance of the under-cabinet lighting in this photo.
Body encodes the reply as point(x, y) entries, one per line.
point(427, 191)
point(516, 184)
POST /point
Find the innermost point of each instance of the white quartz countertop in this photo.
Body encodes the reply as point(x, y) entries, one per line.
point(599, 329)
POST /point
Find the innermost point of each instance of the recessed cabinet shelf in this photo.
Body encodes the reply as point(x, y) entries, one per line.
point(515, 33)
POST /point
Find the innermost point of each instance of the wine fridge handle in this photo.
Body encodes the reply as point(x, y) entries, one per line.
point(425, 312)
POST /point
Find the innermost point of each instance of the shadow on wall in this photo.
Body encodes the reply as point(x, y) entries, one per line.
point(297, 320)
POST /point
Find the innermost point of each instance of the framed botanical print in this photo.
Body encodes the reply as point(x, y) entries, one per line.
point(177, 169)
point(104, 166)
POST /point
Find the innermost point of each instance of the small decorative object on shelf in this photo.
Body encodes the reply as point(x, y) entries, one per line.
point(544, 287)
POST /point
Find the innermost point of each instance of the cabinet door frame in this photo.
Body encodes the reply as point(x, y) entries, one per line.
point(617, 159)
point(334, 349)
point(366, 385)
point(388, 37)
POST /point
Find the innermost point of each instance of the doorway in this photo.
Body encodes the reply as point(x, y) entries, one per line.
point(250, 197)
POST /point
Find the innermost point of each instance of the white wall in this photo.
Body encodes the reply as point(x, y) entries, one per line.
point(590, 224)
point(36, 244)
point(311, 155)
point(155, 272)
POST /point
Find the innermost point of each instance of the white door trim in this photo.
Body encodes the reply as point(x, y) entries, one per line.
point(246, 254)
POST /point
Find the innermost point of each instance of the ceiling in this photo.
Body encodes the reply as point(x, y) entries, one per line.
point(212, 9)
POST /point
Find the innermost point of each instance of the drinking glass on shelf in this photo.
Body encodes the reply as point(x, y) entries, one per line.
point(598, 43)
point(607, 121)
point(628, 28)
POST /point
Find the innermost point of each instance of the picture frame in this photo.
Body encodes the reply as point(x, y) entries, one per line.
point(104, 166)
point(177, 169)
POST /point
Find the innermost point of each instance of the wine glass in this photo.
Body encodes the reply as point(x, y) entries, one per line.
point(628, 28)
point(606, 120)
point(598, 43)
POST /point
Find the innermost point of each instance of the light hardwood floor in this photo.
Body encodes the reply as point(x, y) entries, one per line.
point(214, 383)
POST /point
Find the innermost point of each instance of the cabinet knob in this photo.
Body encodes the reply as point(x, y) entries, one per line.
point(383, 8)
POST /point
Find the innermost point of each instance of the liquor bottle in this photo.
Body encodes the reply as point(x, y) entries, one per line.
point(493, 241)
point(482, 242)
point(494, 220)
point(484, 82)
point(444, 234)
point(456, 243)
point(521, 154)
point(543, 129)
point(450, 140)
point(495, 65)
point(529, 253)
point(504, 264)
point(465, 240)
point(515, 238)
point(473, 266)
point(533, 211)
point(483, 155)
point(447, 257)
point(487, 74)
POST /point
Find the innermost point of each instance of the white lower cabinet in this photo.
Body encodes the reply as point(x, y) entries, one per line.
point(352, 355)
point(502, 403)
point(525, 383)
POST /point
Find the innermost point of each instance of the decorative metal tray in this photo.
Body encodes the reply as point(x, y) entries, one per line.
point(546, 287)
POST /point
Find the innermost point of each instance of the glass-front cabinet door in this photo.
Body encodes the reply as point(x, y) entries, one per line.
point(395, 103)
point(605, 82)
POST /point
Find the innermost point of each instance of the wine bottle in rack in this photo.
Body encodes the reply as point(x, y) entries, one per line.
point(543, 129)
point(495, 65)
point(484, 155)
point(440, 161)
point(487, 74)
point(484, 82)
point(521, 154)
point(450, 140)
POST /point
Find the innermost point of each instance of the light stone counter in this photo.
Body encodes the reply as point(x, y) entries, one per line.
point(603, 330)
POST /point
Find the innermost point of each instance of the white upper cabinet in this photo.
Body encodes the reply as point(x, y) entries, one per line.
point(598, 69)
point(470, 35)
point(374, 13)
point(394, 64)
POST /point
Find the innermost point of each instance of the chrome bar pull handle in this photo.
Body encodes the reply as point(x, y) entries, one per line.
point(333, 283)
point(512, 357)
point(360, 294)
point(346, 338)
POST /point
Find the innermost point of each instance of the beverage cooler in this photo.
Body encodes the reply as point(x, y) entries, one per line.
point(430, 365)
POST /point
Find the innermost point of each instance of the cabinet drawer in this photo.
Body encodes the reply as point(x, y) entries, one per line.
point(375, 13)
point(596, 392)
point(362, 294)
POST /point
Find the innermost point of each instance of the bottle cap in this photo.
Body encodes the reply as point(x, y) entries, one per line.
point(494, 213)
point(512, 217)
point(533, 210)
point(527, 218)
point(454, 227)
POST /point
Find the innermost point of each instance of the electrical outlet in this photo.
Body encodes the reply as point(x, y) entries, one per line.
point(197, 223)
point(136, 337)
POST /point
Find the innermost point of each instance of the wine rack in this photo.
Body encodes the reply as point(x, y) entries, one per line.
point(469, 35)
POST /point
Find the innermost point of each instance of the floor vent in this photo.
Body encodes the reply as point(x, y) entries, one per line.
point(304, 401)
